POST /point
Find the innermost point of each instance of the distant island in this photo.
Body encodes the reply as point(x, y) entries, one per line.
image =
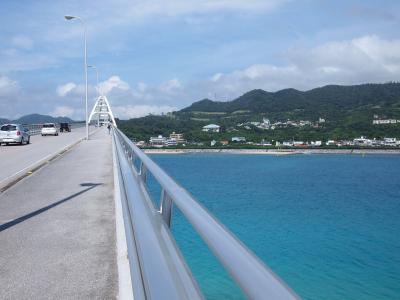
point(333, 115)
point(37, 119)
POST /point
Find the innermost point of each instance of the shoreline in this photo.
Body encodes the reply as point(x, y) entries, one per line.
point(277, 152)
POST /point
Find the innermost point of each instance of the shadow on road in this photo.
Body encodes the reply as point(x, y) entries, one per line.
point(14, 222)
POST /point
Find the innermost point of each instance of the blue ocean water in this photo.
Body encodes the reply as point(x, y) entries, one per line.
point(328, 225)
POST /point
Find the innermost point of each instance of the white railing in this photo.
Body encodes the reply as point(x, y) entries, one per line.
point(158, 269)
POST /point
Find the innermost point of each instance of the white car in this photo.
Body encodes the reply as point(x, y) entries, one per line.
point(49, 129)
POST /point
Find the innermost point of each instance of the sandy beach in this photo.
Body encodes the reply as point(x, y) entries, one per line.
point(274, 151)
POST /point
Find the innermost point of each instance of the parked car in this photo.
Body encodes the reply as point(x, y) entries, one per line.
point(14, 133)
point(49, 129)
point(65, 126)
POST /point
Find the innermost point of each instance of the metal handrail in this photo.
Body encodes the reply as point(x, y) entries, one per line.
point(255, 279)
point(158, 270)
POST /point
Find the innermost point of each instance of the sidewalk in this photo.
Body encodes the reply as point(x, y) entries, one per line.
point(57, 228)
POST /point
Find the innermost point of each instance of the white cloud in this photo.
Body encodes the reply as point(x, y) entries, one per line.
point(142, 87)
point(12, 59)
point(121, 92)
point(171, 86)
point(16, 101)
point(63, 111)
point(136, 111)
point(114, 82)
point(186, 7)
point(9, 90)
point(22, 41)
point(365, 59)
point(7, 85)
point(63, 90)
point(127, 101)
point(117, 12)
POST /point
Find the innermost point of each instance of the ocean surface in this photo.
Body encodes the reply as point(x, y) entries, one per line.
point(328, 225)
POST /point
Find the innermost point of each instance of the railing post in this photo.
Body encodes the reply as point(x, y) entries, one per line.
point(132, 157)
point(143, 172)
point(166, 207)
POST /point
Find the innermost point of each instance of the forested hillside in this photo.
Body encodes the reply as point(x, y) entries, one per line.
point(348, 111)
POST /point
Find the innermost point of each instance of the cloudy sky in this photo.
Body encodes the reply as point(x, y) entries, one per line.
point(155, 56)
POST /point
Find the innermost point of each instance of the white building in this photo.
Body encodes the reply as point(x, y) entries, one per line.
point(171, 142)
point(298, 143)
point(238, 139)
point(178, 137)
point(287, 144)
point(159, 141)
point(385, 121)
point(316, 143)
point(390, 142)
point(304, 123)
point(265, 143)
point(211, 128)
point(362, 141)
point(265, 124)
point(331, 143)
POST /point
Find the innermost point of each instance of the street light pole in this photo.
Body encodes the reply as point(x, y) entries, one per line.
point(97, 78)
point(86, 75)
point(98, 89)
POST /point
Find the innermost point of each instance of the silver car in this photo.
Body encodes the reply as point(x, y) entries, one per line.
point(14, 133)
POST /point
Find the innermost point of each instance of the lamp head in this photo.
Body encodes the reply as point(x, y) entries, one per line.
point(69, 17)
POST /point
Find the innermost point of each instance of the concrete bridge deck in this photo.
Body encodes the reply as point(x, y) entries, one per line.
point(15, 160)
point(57, 228)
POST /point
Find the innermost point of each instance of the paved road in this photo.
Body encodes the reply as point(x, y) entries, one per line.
point(14, 159)
point(57, 228)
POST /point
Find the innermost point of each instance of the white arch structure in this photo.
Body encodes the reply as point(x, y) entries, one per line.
point(102, 110)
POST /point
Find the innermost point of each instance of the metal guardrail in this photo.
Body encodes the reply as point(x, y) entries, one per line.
point(158, 269)
point(35, 129)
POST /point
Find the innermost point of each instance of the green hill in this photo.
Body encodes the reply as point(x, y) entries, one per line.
point(348, 111)
point(38, 119)
point(320, 100)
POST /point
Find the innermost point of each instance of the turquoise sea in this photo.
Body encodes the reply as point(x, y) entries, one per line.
point(328, 225)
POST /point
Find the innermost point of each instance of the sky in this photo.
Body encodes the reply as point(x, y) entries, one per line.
point(155, 56)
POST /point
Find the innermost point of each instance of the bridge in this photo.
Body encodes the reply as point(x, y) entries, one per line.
point(77, 222)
